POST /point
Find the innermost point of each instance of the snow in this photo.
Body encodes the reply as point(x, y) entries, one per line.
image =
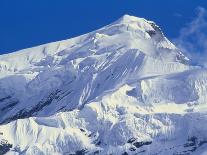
point(122, 88)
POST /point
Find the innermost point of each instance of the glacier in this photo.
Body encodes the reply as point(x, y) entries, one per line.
point(123, 89)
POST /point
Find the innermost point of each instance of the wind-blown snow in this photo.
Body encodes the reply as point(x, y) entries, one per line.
point(123, 89)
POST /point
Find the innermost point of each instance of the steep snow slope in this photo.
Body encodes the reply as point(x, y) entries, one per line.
point(123, 89)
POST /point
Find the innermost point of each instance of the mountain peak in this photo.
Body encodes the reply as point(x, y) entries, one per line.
point(130, 19)
point(137, 23)
point(127, 17)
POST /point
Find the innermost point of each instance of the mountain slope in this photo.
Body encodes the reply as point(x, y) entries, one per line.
point(123, 89)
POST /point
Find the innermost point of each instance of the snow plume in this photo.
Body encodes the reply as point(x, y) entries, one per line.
point(193, 38)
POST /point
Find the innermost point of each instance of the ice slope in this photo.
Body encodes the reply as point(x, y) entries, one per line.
point(123, 89)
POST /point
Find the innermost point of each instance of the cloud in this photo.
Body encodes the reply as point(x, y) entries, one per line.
point(192, 39)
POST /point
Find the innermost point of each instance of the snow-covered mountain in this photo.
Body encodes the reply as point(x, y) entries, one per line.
point(123, 89)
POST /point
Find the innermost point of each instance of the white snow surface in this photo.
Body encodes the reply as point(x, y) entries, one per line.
point(122, 89)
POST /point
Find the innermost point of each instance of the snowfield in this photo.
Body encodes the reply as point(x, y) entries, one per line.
point(124, 89)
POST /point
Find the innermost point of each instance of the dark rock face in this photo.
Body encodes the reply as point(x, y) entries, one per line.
point(202, 142)
point(125, 153)
point(132, 149)
point(131, 140)
point(151, 33)
point(156, 33)
point(136, 145)
point(28, 113)
point(81, 152)
point(193, 143)
point(4, 147)
point(96, 152)
point(140, 144)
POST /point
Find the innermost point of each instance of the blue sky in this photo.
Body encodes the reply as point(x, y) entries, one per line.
point(27, 23)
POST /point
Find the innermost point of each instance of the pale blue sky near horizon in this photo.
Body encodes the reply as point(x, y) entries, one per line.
point(28, 23)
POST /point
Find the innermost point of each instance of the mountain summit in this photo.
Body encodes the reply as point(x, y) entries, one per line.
point(122, 89)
